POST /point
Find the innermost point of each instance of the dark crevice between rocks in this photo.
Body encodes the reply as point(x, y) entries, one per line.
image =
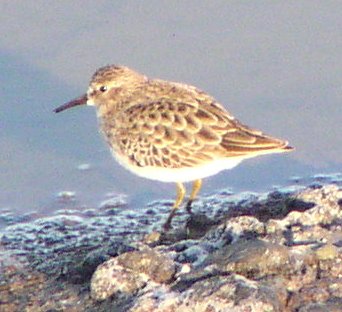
point(329, 226)
point(275, 208)
point(76, 265)
point(338, 243)
point(188, 280)
point(339, 202)
point(114, 304)
point(197, 226)
point(288, 235)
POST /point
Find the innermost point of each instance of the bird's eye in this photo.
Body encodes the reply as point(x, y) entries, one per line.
point(103, 88)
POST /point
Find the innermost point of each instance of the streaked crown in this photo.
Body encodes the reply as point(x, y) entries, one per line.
point(109, 81)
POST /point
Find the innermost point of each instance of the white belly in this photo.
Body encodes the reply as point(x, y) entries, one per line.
point(181, 174)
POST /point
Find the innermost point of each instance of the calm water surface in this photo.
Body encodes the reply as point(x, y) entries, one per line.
point(275, 66)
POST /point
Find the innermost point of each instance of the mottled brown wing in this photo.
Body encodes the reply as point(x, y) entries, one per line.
point(247, 142)
point(175, 134)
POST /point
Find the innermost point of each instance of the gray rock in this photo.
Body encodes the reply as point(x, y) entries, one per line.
point(247, 252)
point(216, 294)
point(255, 258)
point(111, 278)
point(129, 272)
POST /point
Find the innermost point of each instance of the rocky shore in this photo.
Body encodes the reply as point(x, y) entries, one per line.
point(279, 251)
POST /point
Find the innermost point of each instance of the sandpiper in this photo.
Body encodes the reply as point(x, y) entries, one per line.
point(169, 131)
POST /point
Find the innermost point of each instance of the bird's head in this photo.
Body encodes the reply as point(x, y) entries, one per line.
point(109, 85)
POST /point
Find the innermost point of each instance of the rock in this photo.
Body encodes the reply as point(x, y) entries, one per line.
point(246, 252)
point(332, 305)
point(322, 198)
point(220, 293)
point(251, 258)
point(111, 278)
point(198, 225)
point(130, 272)
point(156, 266)
point(327, 252)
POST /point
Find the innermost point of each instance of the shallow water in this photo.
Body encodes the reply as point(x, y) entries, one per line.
point(116, 215)
point(273, 66)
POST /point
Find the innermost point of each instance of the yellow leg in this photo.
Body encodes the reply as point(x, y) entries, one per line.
point(195, 189)
point(180, 195)
point(179, 200)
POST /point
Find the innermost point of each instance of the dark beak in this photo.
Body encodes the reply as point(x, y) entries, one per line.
point(82, 100)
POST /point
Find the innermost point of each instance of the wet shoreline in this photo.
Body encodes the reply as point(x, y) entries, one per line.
point(54, 257)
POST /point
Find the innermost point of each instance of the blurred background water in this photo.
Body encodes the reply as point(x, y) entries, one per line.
point(275, 65)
